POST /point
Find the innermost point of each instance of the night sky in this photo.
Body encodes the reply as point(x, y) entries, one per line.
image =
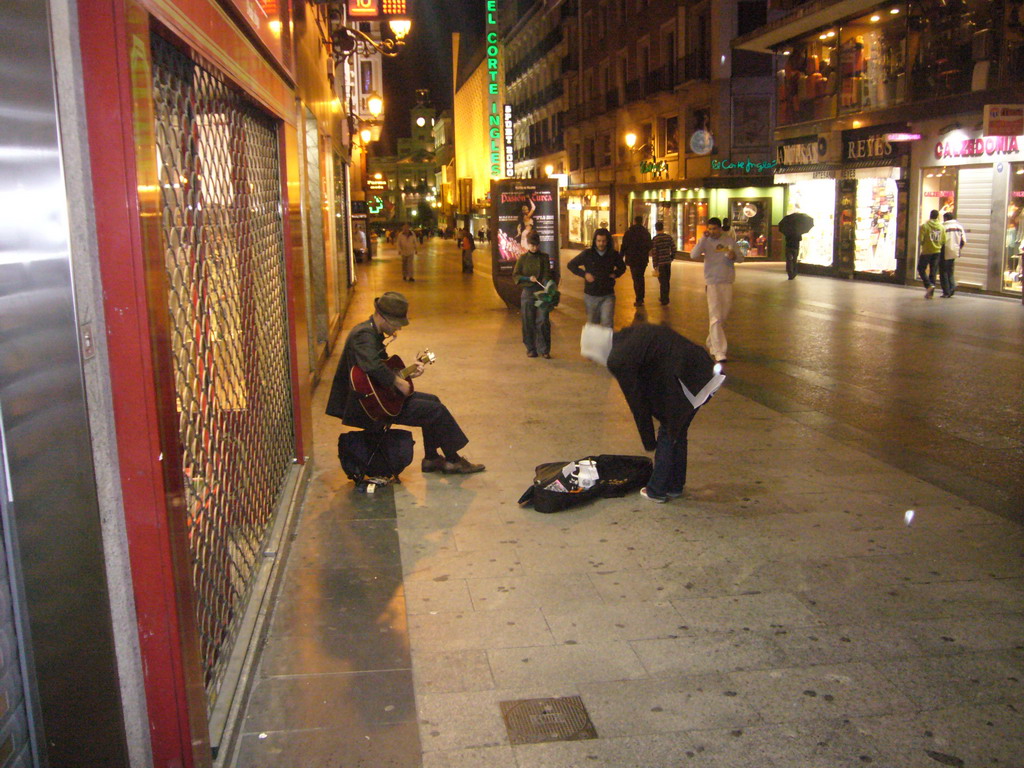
point(425, 62)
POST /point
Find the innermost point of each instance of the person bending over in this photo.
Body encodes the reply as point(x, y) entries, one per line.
point(665, 377)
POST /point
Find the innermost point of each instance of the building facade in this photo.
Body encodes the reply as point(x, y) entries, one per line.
point(406, 183)
point(881, 118)
point(662, 120)
point(475, 161)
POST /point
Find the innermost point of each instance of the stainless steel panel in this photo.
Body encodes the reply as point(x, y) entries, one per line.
point(50, 513)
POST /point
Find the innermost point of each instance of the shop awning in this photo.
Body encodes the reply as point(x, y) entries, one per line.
point(805, 19)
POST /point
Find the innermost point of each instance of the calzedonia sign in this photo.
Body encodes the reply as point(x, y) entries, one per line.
point(982, 147)
point(494, 111)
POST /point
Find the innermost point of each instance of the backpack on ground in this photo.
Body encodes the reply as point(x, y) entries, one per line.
point(356, 452)
point(560, 485)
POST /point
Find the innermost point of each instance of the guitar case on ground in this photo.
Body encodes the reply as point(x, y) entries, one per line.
point(559, 485)
point(360, 460)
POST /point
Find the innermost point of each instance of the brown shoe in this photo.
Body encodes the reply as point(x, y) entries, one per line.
point(461, 466)
point(435, 464)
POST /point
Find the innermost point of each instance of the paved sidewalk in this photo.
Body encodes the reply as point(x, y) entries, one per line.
point(780, 614)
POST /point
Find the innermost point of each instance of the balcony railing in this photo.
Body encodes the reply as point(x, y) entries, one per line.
point(523, 109)
point(541, 49)
point(694, 66)
point(537, 150)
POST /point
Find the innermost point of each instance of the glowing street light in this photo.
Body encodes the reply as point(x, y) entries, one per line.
point(375, 103)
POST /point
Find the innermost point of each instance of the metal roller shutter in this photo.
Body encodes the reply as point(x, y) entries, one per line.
point(974, 212)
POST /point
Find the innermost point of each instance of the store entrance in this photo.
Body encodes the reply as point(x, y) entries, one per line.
point(751, 219)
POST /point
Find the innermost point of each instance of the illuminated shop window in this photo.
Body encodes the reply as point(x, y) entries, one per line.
point(872, 60)
point(947, 46)
point(808, 79)
point(1014, 247)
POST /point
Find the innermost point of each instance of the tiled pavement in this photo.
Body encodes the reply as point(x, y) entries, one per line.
point(780, 614)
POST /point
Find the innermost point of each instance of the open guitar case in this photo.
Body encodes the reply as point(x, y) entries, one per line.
point(560, 485)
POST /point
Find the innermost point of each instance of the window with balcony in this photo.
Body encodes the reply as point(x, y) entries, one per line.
point(670, 134)
point(588, 153)
point(872, 60)
point(606, 149)
point(668, 46)
point(809, 78)
point(698, 45)
point(948, 44)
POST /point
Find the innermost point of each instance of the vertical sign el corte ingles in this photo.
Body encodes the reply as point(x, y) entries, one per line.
point(494, 113)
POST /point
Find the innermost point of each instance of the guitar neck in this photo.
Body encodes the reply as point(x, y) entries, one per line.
point(405, 373)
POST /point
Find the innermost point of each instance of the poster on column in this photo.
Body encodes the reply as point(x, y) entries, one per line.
point(519, 207)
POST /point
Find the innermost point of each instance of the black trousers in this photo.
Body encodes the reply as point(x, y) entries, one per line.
point(926, 264)
point(792, 251)
point(637, 271)
point(664, 280)
point(440, 430)
point(946, 278)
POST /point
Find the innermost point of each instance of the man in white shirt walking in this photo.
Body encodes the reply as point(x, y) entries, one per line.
point(954, 242)
point(719, 253)
point(407, 243)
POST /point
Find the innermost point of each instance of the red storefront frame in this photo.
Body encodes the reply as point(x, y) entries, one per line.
point(114, 37)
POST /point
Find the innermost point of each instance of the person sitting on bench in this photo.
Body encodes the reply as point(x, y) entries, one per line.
point(364, 347)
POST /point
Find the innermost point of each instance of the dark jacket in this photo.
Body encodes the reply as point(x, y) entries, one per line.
point(363, 347)
point(649, 361)
point(605, 269)
point(529, 265)
point(636, 246)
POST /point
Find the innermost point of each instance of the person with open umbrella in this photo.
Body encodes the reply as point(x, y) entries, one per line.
point(793, 227)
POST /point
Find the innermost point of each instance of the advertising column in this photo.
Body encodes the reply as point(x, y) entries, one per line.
point(519, 207)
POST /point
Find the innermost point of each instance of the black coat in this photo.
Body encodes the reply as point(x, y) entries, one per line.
point(605, 270)
point(636, 246)
point(649, 361)
point(363, 347)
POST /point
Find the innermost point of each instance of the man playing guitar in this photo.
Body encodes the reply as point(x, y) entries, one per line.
point(365, 348)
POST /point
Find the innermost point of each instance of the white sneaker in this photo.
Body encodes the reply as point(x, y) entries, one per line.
point(652, 497)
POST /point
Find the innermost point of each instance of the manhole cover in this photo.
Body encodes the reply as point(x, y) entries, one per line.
point(532, 721)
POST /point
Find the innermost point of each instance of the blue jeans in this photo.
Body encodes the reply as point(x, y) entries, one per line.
point(669, 475)
point(600, 309)
point(536, 324)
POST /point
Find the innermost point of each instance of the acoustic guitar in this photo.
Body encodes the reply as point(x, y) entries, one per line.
point(385, 402)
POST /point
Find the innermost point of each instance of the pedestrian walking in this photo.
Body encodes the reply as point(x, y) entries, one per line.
point(466, 246)
point(407, 248)
point(532, 272)
point(663, 250)
point(636, 250)
point(930, 239)
point(954, 241)
point(359, 245)
point(599, 266)
point(663, 376)
point(793, 227)
point(720, 255)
